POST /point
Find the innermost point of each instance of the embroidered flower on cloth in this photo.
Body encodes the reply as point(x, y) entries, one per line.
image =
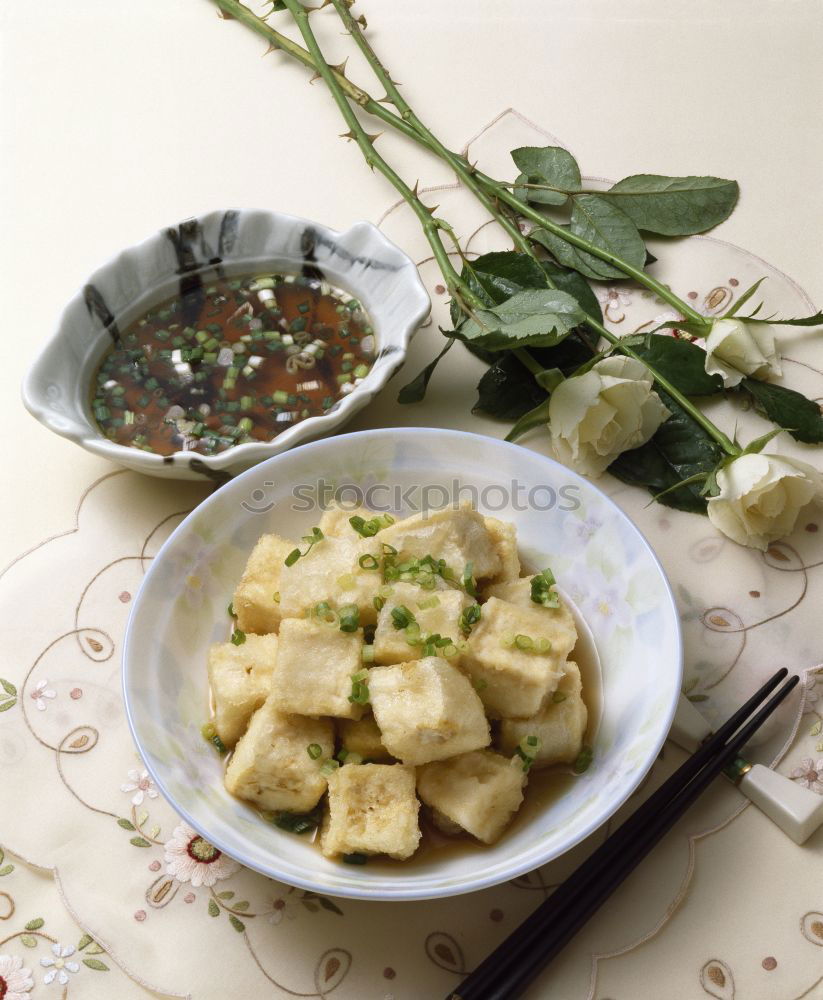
point(613, 299)
point(40, 693)
point(15, 981)
point(283, 906)
point(811, 773)
point(141, 784)
point(58, 967)
point(190, 858)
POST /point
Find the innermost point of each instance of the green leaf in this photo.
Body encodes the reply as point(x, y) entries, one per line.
point(496, 276)
point(84, 942)
point(738, 304)
point(28, 941)
point(95, 949)
point(551, 166)
point(7, 705)
point(214, 909)
point(680, 361)
point(415, 391)
point(507, 389)
point(540, 317)
point(229, 894)
point(125, 823)
point(674, 206)
point(242, 905)
point(573, 283)
point(603, 225)
point(238, 925)
point(35, 925)
point(534, 418)
point(791, 410)
point(6, 870)
point(8, 687)
point(139, 842)
point(96, 964)
point(756, 446)
point(698, 697)
point(678, 451)
point(310, 905)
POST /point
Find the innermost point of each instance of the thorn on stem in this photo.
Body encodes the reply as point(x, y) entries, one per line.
point(340, 67)
point(373, 138)
point(225, 16)
point(347, 135)
point(431, 210)
point(271, 48)
point(316, 76)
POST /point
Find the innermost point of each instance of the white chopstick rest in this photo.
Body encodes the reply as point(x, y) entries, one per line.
point(798, 811)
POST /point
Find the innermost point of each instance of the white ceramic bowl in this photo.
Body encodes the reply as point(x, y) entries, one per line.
point(360, 261)
point(599, 557)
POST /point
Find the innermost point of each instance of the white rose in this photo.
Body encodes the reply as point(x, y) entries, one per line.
point(610, 409)
point(735, 349)
point(761, 497)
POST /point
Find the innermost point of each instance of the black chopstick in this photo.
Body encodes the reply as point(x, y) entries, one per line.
point(496, 966)
point(507, 971)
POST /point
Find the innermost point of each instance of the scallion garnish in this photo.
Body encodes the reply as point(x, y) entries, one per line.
point(238, 637)
point(430, 602)
point(209, 732)
point(359, 688)
point(374, 524)
point(368, 562)
point(328, 767)
point(367, 654)
point(523, 642)
point(314, 750)
point(378, 602)
point(559, 696)
point(299, 822)
point(349, 618)
point(528, 749)
point(310, 540)
point(401, 616)
point(584, 760)
point(230, 610)
point(469, 617)
point(469, 583)
point(542, 591)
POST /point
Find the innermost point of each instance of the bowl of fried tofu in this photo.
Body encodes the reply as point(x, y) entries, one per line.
point(402, 664)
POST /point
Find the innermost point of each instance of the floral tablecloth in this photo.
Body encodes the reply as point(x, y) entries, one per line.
point(99, 894)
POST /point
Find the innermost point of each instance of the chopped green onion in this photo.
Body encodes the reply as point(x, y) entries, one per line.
point(379, 602)
point(314, 750)
point(559, 696)
point(430, 602)
point(469, 617)
point(523, 641)
point(368, 562)
point(507, 640)
point(298, 822)
point(412, 634)
point(329, 767)
point(528, 749)
point(542, 591)
point(238, 637)
point(280, 397)
point(367, 654)
point(276, 597)
point(324, 613)
point(450, 650)
point(370, 528)
point(347, 581)
point(208, 731)
point(311, 540)
point(401, 616)
point(361, 371)
point(349, 618)
point(583, 761)
point(230, 609)
point(292, 557)
point(469, 583)
point(389, 550)
point(543, 645)
point(359, 688)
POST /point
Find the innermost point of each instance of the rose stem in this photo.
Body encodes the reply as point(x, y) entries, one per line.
point(341, 87)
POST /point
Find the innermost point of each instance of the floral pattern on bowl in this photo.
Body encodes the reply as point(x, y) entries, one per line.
point(361, 261)
point(561, 519)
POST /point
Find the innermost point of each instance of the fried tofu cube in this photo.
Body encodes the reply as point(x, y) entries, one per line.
point(314, 667)
point(504, 539)
point(372, 810)
point(512, 681)
point(240, 679)
point(559, 725)
point(331, 571)
point(362, 736)
point(426, 710)
point(562, 629)
point(443, 619)
point(457, 535)
point(254, 601)
point(479, 791)
point(271, 768)
point(335, 520)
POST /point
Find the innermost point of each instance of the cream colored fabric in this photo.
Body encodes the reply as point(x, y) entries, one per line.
point(114, 135)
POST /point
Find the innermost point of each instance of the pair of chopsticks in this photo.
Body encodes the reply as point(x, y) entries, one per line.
point(509, 969)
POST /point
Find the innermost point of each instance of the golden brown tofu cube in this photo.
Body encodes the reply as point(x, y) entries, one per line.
point(254, 601)
point(314, 668)
point(426, 710)
point(480, 791)
point(372, 810)
point(436, 612)
point(362, 736)
point(240, 679)
point(504, 539)
point(271, 768)
point(560, 725)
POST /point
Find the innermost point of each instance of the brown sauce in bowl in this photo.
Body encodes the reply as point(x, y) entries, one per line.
point(239, 360)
